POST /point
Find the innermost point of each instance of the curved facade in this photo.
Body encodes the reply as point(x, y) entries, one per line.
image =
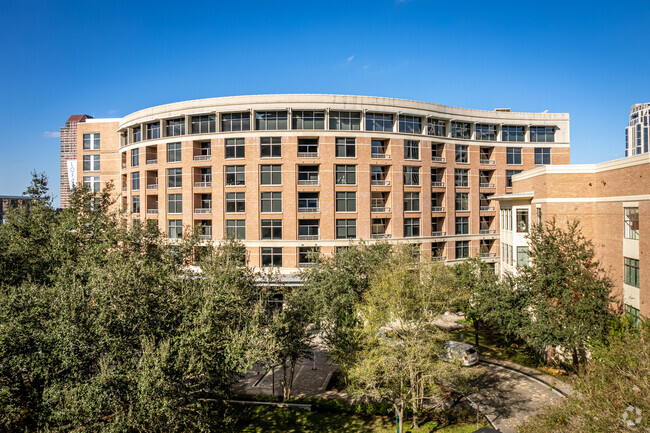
point(290, 173)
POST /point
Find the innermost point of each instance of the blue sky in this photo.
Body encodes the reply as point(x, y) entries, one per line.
point(108, 59)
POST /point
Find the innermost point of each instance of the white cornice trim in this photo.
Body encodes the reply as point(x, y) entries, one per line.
point(615, 164)
point(622, 198)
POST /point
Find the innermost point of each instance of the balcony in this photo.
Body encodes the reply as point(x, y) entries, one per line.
point(203, 210)
point(380, 235)
point(436, 234)
point(486, 185)
point(488, 162)
point(205, 237)
point(437, 208)
point(152, 211)
point(379, 182)
point(487, 232)
point(380, 156)
point(488, 255)
point(438, 258)
point(308, 237)
point(307, 265)
point(438, 184)
point(152, 186)
point(152, 161)
point(438, 159)
point(486, 208)
point(202, 184)
point(308, 182)
point(124, 189)
point(308, 210)
point(202, 157)
point(307, 154)
point(380, 209)
point(123, 166)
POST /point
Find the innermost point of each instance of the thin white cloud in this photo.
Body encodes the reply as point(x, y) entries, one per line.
point(48, 134)
point(113, 111)
point(349, 59)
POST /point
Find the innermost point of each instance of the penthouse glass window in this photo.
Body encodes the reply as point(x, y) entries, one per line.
point(631, 223)
point(271, 174)
point(513, 155)
point(346, 201)
point(173, 152)
point(137, 134)
point(411, 175)
point(175, 229)
point(307, 119)
point(509, 174)
point(204, 124)
point(486, 132)
point(174, 178)
point(91, 183)
point(135, 157)
point(542, 134)
point(462, 225)
point(91, 141)
point(270, 120)
point(153, 130)
point(410, 124)
point(462, 201)
point(461, 177)
point(235, 122)
point(542, 156)
point(135, 181)
point(460, 130)
point(411, 227)
point(462, 154)
point(462, 249)
point(631, 271)
point(175, 203)
point(235, 202)
point(512, 133)
point(411, 202)
point(380, 122)
point(271, 257)
point(271, 201)
point(345, 120)
point(271, 229)
point(346, 147)
point(175, 127)
point(235, 175)
point(91, 162)
point(346, 174)
point(271, 147)
point(437, 127)
point(346, 229)
point(236, 229)
point(411, 149)
point(235, 148)
point(308, 147)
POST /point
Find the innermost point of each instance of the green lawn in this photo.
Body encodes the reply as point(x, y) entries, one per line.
point(267, 419)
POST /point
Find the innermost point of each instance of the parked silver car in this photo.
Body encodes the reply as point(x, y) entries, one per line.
point(464, 353)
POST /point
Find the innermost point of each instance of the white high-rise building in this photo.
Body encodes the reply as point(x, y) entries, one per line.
point(636, 133)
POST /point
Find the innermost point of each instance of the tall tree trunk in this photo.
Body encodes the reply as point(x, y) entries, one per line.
point(399, 412)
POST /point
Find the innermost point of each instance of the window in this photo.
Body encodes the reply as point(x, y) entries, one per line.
point(634, 314)
point(345, 120)
point(411, 202)
point(175, 127)
point(346, 201)
point(271, 147)
point(307, 120)
point(462, 225)
point(522, 220)
point(91, 183)
point(308, 229)
point(462, 201)
point(175, 203)
point(509, 174)
point(271, 202)
point(235, 202)
point(410, 124)
point(462, 249)
point(136, 134)
point(346, 229)
point(173, 152)
point(135, 181)
point(345, 147)
point(542, 156)
point(308, 147)
point(235, 148)
point(411, 227)
point(308, 175)
point(308, 255)
point(91, 162)
point(631, 223)
point(411, 175)
point(542, 134)
point(512, 133)
point(346, 174)
point(174, 178)
point(378, 148)
point(539, 216)
point(153, 131)
point(271, 229)
point(175, 229)
point(235, 122)
point(135, 203)
point(411, 149)
point(486, 132)
point(135, 157)
point(205, 149)
point(378, 227)
point(271, 175)
point(631, 271)
point(270, 120)
point(462, 154)
point(203, 124)
point(379, 122)
point(460, 130)
point(235, 175)
point(522, 256)
point(437, 127)
point(91, 141)
point(513, 155)
point(271, 257)
point(236, 229)
point(307, 202)
point(461, 177)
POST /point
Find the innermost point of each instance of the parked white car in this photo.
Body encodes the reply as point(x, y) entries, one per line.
point(464, 353)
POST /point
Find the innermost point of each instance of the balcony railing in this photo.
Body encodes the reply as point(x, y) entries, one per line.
point(486, 208)
point(152, 161)
point(202, 184)
point(438, 159)
point(486, 255)
point(152, 186)
point(308, 237)
point(380, 156)
point(152, 211)
point(380, 235)
point(437, 208)
point(380, 182)
point(307, 154)
point(306, 265)
point(308, 210)
point(124, 188)
point(487, 232)
point(438, 233)
point(205, 237)
point(203, 210)
point(438, 258)
point(488, 162)
point(201, 157)
point(437, 184)
point(308, 182)
point(123, 166)
point(486, 185)
point(380, 209)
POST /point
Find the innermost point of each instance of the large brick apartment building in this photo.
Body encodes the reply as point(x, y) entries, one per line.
point(287, 174)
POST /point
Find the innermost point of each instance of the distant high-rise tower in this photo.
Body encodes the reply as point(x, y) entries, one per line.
point(636, 133)
point(69, 156)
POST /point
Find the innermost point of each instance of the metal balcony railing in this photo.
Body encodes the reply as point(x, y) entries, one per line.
point(380, 156)
point(437, 184)
point(306, 265)
point(152, 161)
point(438, 159)
point(308, 182)
point(380, 209)
point(203, 210)
point(202, 184)
point(487, 232)
point(486, 208)
point(123, 166)
point(308, 237)
point(307, 154)
point(205, 237)
point(488, 162)
point(308, 210)
point(152, 186)
point(152, 211)
point(437, 208)
point(486, 255)
point(486, 185)
point(380, 182)
point(438, 233)
point(202, 157)
point(381, 235)
point(124, 188)
point(438, 258)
